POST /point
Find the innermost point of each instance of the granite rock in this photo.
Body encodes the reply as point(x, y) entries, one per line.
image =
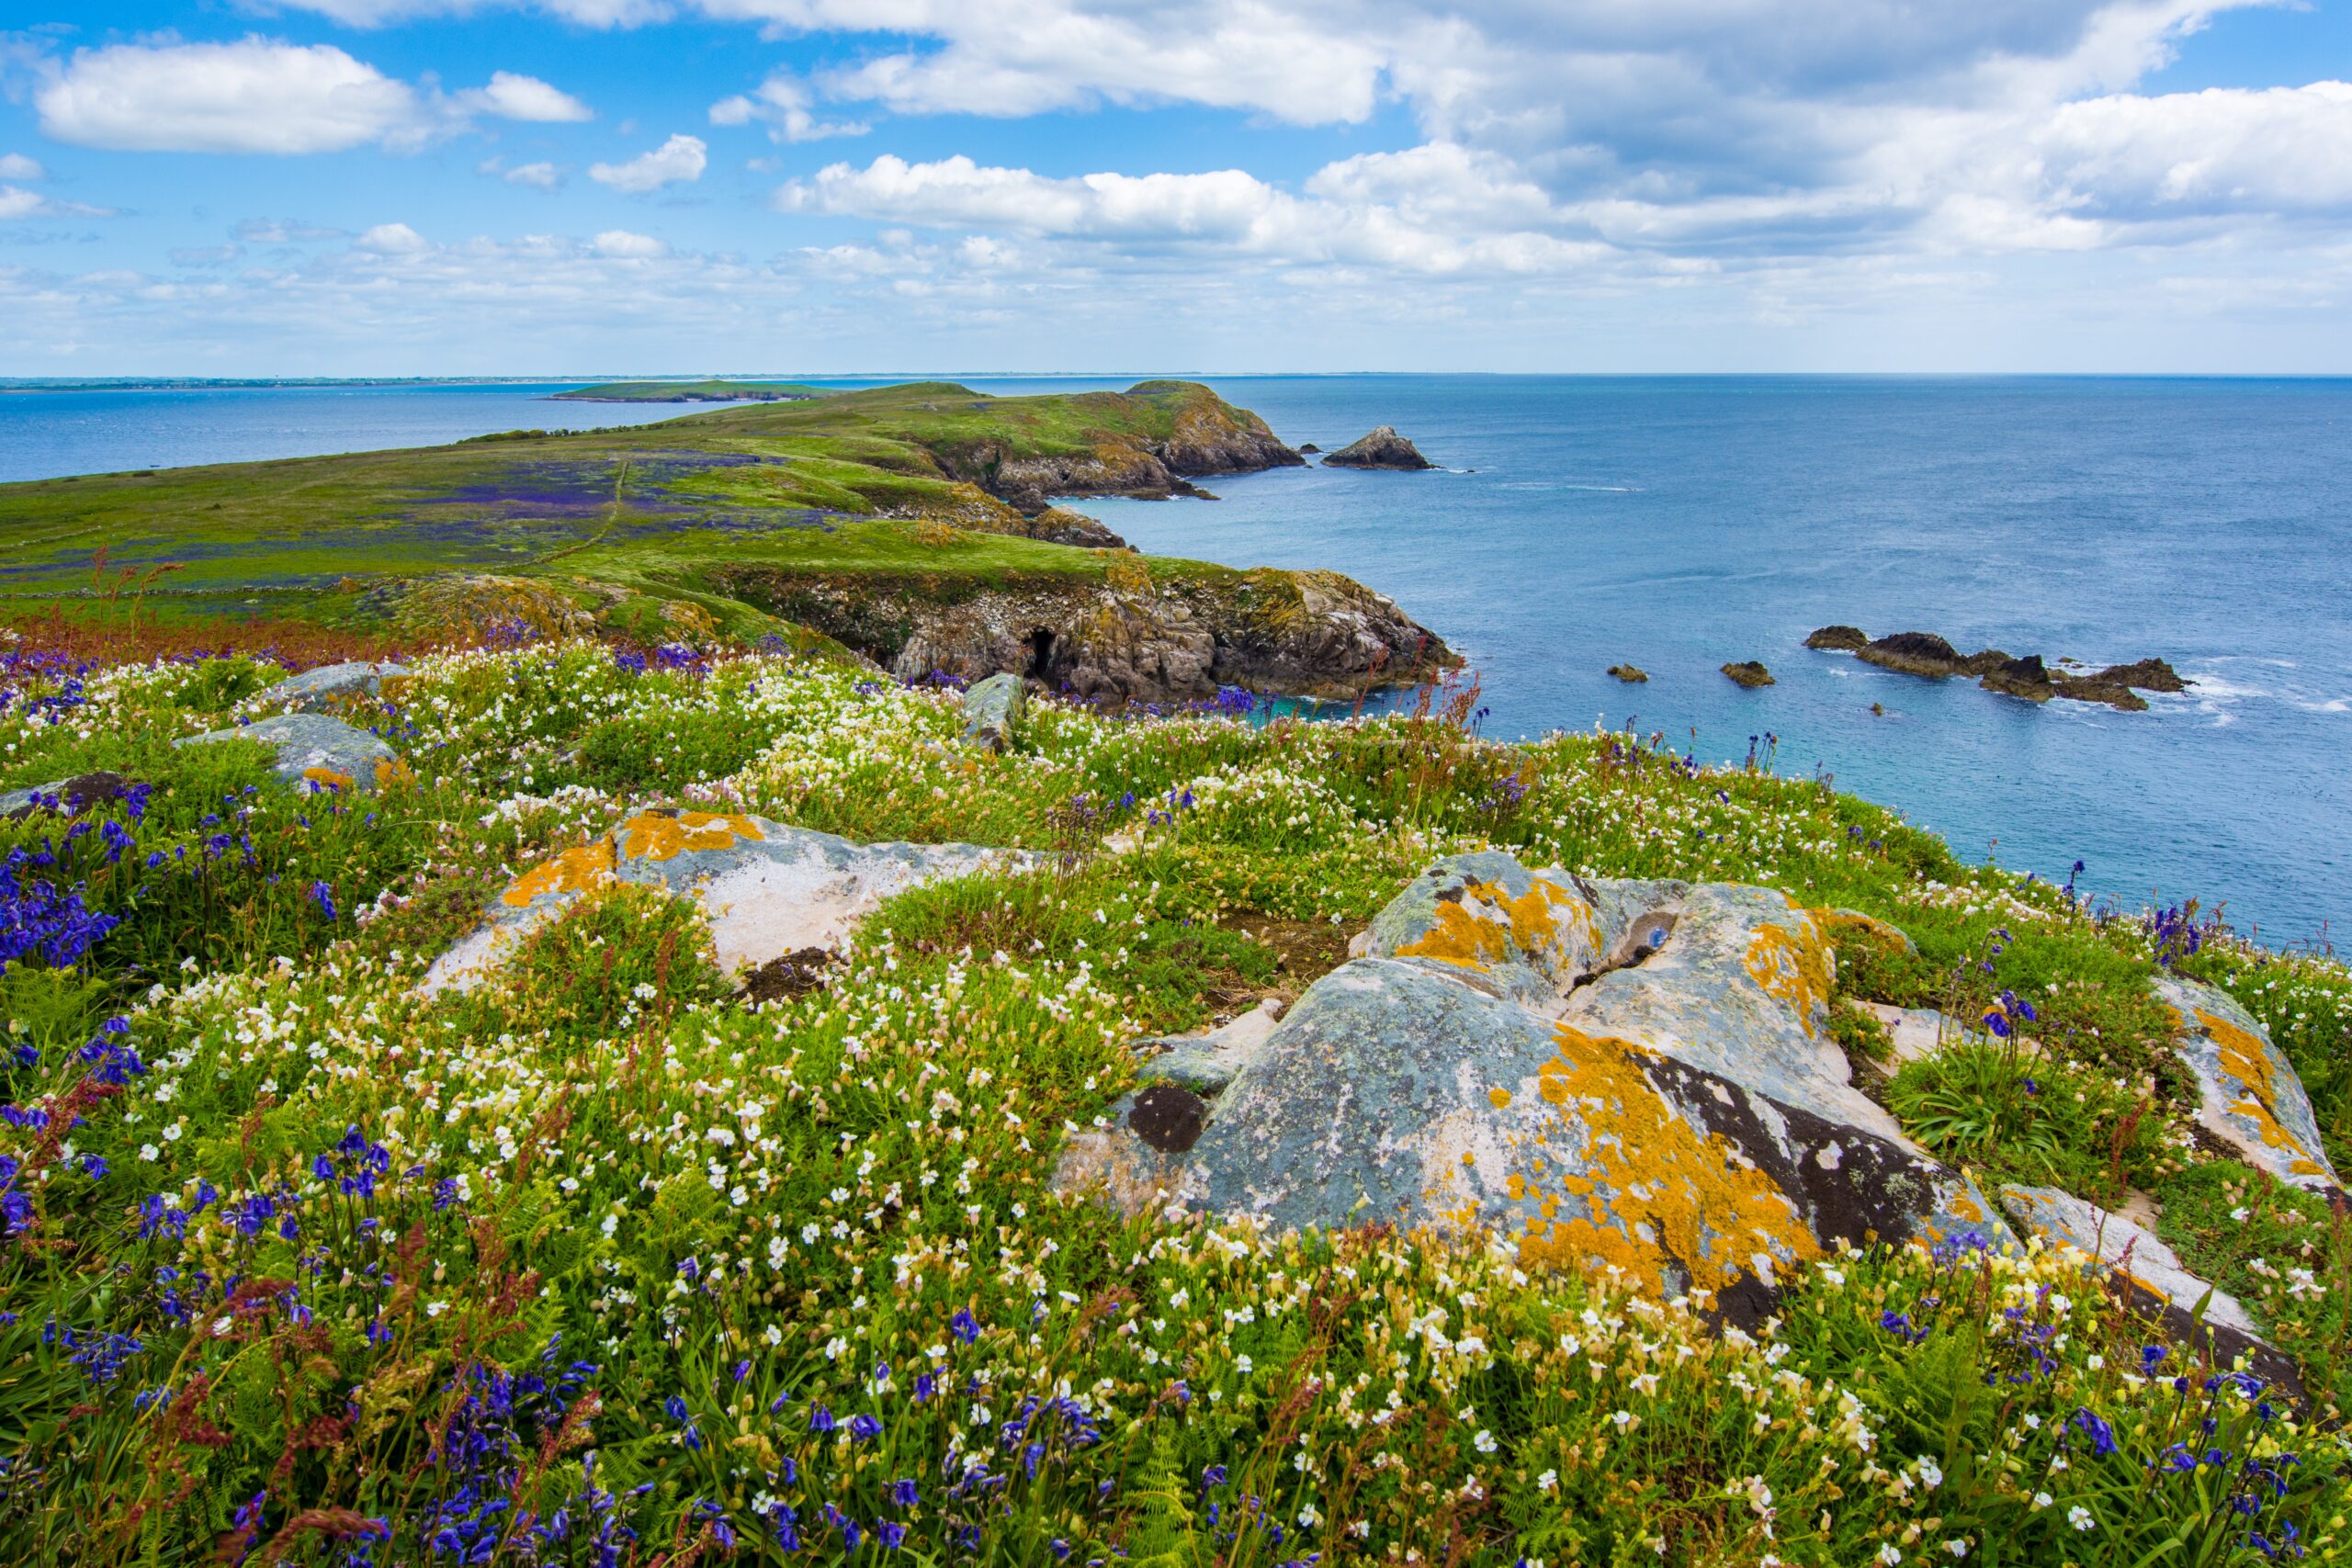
point(2248, 1095)
point(318, 751)
point(992, 711)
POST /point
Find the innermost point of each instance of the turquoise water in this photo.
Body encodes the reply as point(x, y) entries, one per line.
point(1679, 523)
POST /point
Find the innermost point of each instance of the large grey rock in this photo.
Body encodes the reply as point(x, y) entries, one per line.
point(2248, 1095)
point(315, 750)
point(1634, 1076)
point(992, 711)
point(1382, 448)
point(767, 889)
point(2150, 1274)
point(69, 797)
point(329, 684)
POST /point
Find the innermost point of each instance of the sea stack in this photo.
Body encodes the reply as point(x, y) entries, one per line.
point(1383, 448)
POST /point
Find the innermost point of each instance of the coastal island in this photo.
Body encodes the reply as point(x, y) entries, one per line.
point(692, 392)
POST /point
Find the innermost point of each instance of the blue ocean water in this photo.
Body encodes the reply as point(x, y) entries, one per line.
point(1677, 522)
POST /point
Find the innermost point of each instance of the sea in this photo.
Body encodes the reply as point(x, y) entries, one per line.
point(1678, 523)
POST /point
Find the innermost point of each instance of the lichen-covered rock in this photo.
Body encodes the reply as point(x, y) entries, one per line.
point(1634, 1076)
point(768, 890)
point(2150, 1275)
point(330, 683)
point(1382, 448)
point(992, 711)
point(2248, 1095)
point(1914, 1034)
point(314, 750)
point(1206, 1063)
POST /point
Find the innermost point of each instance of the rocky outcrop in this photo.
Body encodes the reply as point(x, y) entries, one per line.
point(2149, 1276)
point(1629, 1075)
point(769, 891)
point(1135, 638)
point(1383, 448)
point(331, 685)
point(1927, 655)
point(992, 711)
point(317, 752)
point(1060, 526)
point(1632, 674)
point(1182, 432)
point(2248, 1095)
point(1749, 674)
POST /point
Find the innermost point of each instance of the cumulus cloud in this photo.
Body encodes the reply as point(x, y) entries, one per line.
point(254, 96)
point(392, 240)
point(264, 95)
point(621, 244)
point(511, 96)
point(781, 102)
point(679, 160)
point(18, 202)
point(538, 175)
point(2220, 150)
point(16, 166)
point(277, 231)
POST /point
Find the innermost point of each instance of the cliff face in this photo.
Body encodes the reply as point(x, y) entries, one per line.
point(1148, 442)
point(1306, 634)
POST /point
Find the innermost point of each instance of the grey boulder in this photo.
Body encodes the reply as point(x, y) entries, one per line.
point(2248, 1095)
point(312, 748)
point(992, 711)
point(330, 683)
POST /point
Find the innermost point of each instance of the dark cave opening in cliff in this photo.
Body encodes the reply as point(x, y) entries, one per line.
point(1041, 654)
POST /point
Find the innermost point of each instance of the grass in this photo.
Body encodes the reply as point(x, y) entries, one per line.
point(599, 1264)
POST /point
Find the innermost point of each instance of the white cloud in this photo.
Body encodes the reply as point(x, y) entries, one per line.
point(782, 104)
point(254, 96)
point(16, 166)
point(272, 231)
point(2223, 148)
point(511, 96)
point(539, 176)
point(621, 244)
point(680, 159)
point(392, 240)
point(18, 202)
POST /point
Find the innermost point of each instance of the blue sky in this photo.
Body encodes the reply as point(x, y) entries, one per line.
point(591, 186)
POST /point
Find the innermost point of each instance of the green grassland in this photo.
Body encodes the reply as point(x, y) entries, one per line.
point(824, 485)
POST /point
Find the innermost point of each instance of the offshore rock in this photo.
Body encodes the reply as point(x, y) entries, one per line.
point(2149, 1276)
point(1749, 674)
point(330, 685)
point(2027, 678)
point(2248, 1095)
point(1913, 653)
point(316, 750)
point(1839, 638)
point(1629, 1075)
point(1632, 674)
point(992, 711)
point(2092, 689)
point(1383, 448)
point(769, 891)
point(2143, 674)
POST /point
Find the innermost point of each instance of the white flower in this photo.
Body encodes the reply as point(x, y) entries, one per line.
point(2080, 1518)
point(773, 1335)
point(1484, 1443)
point(834, 1346)
point(1888, 1555)
point(1548, 1481)
point(1956, 1547)
point(221, 1326)
point(1931, 1474)
point(150, 1152)
point(434, 1309)
point(172, 1134)
point(2041, 1500)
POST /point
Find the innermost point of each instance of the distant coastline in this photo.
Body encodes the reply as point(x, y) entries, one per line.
point(693, 392)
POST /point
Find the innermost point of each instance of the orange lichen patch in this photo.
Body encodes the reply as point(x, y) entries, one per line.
point(1529, 923)
point(1793, 967)
point(392, 770)
point(1860, 924)
point(1654, 1187)
point(2247, 1058)
point(328, 778)
point(574, 871)
point(651, 836)
point(1964, 1207)
point(1500, 1098)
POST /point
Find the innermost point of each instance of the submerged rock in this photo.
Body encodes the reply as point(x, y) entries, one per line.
point(2149, 1275)
point(315, 750)
point(1632, 674)
point(1749, 673)
point(2248, 1095)
point(1635, 1076)
point(330, 683)
point(1839, 639)
point(992, 711)
point(769, 891)
point(1383, 448)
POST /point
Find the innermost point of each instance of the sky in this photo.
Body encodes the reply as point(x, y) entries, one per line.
point(566, 188)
